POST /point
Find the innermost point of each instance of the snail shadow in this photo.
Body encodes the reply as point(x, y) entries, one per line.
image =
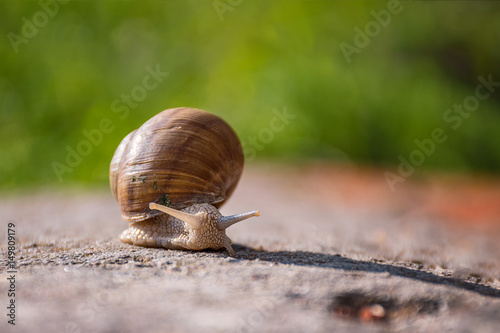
point(314, 259)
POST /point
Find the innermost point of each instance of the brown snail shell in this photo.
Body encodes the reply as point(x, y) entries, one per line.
point(178, 158)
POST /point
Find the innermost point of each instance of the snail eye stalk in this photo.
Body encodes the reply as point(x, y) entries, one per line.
point(194, 221)
point(227, 221)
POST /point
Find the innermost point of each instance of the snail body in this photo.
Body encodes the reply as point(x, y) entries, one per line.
point(169, 177)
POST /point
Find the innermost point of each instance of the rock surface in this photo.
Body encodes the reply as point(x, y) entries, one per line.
point(334, 250)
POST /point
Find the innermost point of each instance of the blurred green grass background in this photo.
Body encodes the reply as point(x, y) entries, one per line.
point(261, 56)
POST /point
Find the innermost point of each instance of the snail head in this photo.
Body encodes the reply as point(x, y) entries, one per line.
point(205, 220)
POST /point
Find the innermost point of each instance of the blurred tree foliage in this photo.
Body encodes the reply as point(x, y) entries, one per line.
point(242, 62)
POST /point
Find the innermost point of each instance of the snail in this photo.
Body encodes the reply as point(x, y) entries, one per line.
point(172, 174)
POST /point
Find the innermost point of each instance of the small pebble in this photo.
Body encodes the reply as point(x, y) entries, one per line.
point(372, 313)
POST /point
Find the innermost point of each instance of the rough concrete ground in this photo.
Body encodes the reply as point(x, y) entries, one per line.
point(334, 250)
